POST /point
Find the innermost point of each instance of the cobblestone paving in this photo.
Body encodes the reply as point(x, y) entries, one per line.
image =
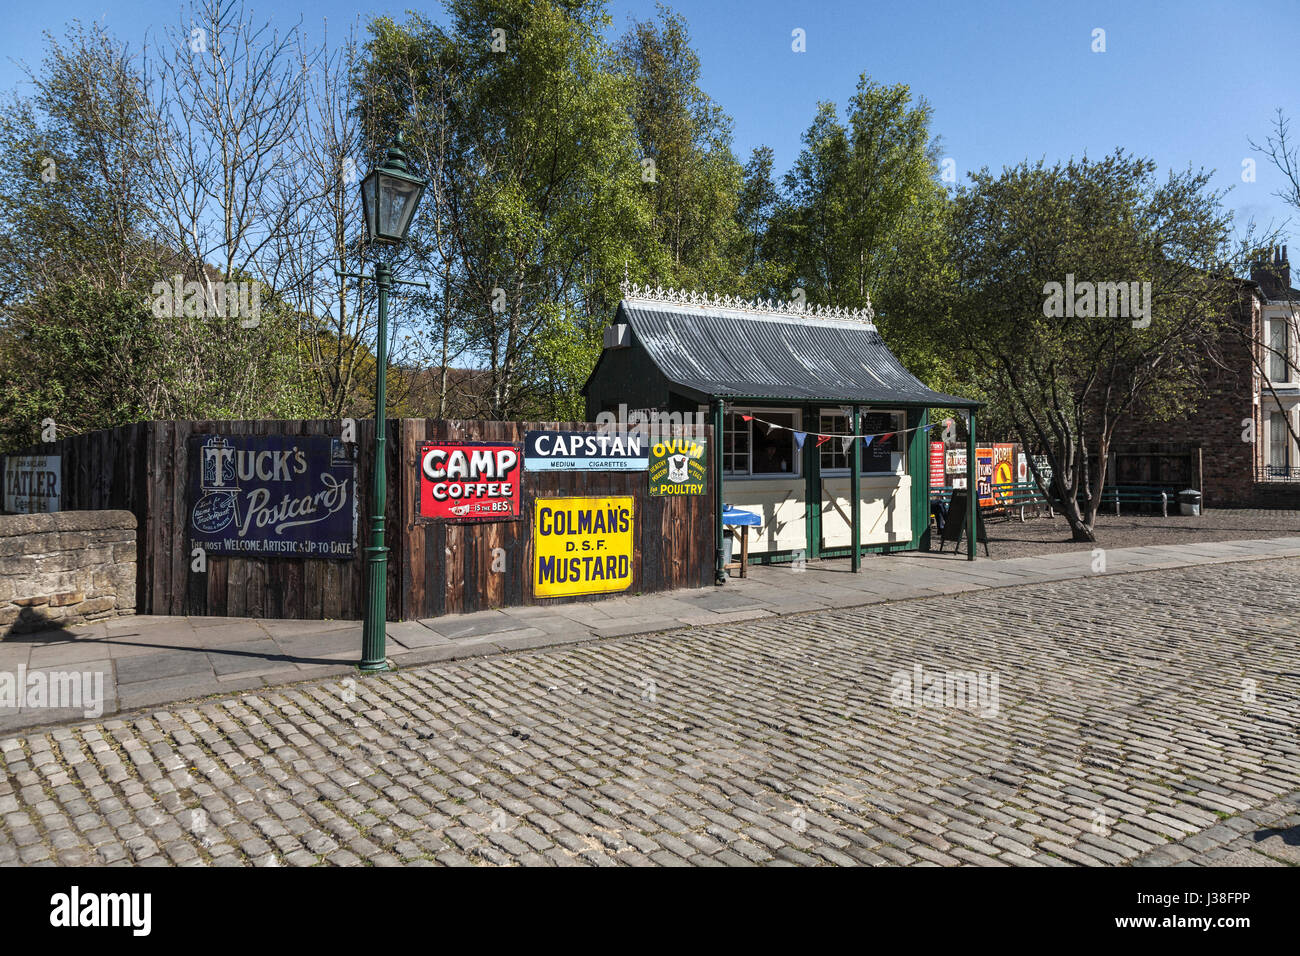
point(1133, 713)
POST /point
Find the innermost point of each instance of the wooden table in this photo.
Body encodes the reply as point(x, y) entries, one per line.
point(742, 520)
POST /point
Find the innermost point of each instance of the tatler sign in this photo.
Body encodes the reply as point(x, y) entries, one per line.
point(469, 481)
point(32, 483)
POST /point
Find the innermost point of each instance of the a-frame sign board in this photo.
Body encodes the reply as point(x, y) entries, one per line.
point(955, 526)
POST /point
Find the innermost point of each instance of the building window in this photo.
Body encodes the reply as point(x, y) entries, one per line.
point(833, 456)
point(751, 448)
point(1279, 444)
point(884, 456)
point(735, 446)
point(1279, 346)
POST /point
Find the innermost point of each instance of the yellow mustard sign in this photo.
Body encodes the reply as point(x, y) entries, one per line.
point(582, 545)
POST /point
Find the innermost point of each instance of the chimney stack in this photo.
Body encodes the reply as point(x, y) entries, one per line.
point(1273, 274)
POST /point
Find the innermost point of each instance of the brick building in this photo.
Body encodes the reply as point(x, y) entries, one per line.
point(1237, 445)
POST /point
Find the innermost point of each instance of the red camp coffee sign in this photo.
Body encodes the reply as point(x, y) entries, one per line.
point(469, 481)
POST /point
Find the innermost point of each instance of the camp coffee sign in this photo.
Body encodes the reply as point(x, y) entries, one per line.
point(32, 484)
point(469, 481)
point(678, 467)
point(582, 545)
point(273, 495)
point(585, 451)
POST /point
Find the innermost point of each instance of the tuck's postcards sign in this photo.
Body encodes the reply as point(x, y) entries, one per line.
point(267, 495)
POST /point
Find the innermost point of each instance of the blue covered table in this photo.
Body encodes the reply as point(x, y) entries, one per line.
point(744, 520)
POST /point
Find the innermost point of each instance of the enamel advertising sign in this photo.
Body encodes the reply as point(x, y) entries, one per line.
point(273, 495)
point(678, 467)
point(469, 481)
point(984, 476)
point(936, 464)
point(582, 545)
point(586, 451)
point(32, 484)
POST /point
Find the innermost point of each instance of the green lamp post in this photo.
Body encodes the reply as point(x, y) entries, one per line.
point(389, 195)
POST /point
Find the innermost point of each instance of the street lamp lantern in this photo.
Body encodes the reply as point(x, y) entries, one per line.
point(389, 196)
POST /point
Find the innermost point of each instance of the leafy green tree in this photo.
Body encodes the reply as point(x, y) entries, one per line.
point(858, 187)
point(81, 339)
point(1067, 362)
point(690, 175)
point(516, 111)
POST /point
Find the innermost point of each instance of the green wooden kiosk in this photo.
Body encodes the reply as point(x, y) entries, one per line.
point(763, 373)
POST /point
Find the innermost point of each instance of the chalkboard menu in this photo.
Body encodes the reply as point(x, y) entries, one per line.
point(875, 457)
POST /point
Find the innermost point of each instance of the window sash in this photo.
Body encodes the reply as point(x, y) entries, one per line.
point(740, 441)
point(1280, 444)
point(1278, 344)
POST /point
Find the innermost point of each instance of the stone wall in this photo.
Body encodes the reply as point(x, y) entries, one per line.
point(65, 568)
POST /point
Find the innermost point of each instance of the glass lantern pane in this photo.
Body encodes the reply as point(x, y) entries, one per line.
point(398, 198)
point(368, 203)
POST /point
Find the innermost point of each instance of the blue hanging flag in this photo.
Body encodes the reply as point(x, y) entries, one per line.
point(799, 437)
point(866, 440)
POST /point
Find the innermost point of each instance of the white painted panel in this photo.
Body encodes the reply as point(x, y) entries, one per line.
point(886, 511)
point(779, 502)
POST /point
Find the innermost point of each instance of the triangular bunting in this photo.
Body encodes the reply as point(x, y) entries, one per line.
point(799, 438)
point(866, 440)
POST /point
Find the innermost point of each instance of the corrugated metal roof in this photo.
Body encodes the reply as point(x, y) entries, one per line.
point(751, 354)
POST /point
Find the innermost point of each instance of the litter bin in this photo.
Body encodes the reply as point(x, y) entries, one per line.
point(1189, 502)
point(728, 538)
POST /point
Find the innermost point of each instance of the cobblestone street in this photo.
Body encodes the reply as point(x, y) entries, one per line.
point(1147, 718)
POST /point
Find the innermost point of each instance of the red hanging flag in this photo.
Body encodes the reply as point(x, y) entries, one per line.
point(823, 439)
point(748, 418)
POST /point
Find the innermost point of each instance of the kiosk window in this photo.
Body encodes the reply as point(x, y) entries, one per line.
point(877, 458)
point(751, 448)
point(832, 452)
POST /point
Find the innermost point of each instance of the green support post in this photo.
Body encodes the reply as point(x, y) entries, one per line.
point(374, 656)
point(855, 489)
point(972, 487)
point(719, 572)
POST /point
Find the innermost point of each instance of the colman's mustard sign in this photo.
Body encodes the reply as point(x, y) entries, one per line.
point(582, 545)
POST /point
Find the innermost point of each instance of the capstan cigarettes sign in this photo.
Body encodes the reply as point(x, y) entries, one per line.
point(469, 481)
point(586, 451)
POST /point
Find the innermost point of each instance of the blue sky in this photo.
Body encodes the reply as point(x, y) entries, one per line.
point(1187, 83)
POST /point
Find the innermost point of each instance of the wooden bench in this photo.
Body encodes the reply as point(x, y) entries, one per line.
point(1012, 497)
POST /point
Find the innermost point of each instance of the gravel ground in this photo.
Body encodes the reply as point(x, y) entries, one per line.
point(1010, 538)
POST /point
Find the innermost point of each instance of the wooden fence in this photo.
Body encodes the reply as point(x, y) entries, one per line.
point(433, 568)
